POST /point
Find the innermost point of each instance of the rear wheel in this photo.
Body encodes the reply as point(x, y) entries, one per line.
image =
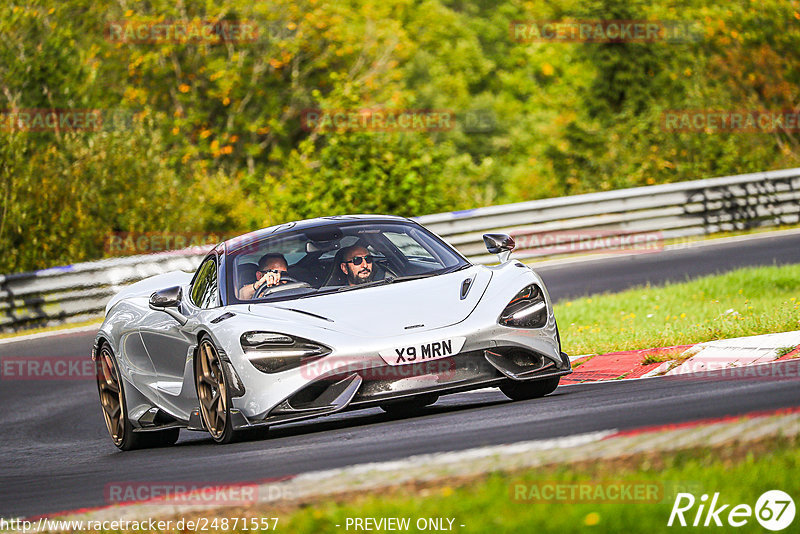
point(115, 409)
point(409, 406)
point(529, 390)
point(212, 392)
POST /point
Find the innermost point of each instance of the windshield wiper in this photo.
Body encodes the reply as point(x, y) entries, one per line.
point(448, 270)
point(368, 284)
point(393, 279)
point(455, 268)
point(387, 280)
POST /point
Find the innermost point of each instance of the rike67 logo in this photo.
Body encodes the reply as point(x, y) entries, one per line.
point(774, 510)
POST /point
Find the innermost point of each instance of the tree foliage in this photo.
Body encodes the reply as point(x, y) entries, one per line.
point(212, 136)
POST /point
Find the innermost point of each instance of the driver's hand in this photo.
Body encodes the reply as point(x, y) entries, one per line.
point(273, 278)
point(269, 279)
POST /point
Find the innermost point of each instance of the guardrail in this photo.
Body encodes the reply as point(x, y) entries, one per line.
point(78, 292)
point(559, 225)
point(611, 220)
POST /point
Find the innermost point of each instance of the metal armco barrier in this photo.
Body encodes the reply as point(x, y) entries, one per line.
point(78, 292)
point(664, 211)
point(606, 221)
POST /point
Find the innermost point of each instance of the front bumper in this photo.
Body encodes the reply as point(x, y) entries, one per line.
point(350, 389)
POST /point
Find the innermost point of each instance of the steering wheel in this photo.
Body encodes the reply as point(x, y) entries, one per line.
point(387, 270)
point(286, 282)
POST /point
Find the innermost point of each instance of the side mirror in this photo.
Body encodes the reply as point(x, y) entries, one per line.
point(168, 300)
point(500, 244)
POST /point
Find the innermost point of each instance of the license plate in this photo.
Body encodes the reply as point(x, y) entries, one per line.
point(423, 352)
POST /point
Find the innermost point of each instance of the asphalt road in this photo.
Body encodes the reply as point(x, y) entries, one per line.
point(677, 265)
point(55, 454)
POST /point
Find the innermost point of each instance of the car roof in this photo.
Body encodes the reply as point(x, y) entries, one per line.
point(238, 242)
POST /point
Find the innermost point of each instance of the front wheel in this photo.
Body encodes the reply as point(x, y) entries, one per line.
point(212, 392)
point(534, 389)
point(115, 409)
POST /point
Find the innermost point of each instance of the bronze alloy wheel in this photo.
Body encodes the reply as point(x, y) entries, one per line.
point(108, 384)
point(212, 392)
point(115, 411)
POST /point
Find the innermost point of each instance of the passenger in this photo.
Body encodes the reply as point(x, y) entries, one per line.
point(270, 268)
point(357, 265)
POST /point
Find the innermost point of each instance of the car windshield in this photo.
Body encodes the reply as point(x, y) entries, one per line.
point(336, 257)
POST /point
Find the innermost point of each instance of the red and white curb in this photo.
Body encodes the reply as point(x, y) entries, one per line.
point(739, 352)
point(707, 357)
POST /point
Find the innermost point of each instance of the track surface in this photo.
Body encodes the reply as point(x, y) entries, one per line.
point(56, 455)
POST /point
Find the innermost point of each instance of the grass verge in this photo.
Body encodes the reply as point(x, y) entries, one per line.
point(506, 502)
point(740, 474)
point(744, 302)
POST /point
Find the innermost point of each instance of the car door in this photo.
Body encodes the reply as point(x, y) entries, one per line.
point(170, 344)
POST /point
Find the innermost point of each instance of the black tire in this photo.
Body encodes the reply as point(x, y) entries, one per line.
point(211, 383)
point(409, 406)
point(111, 390)
point(527, 390)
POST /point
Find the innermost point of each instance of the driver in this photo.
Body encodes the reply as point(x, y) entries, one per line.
point(357, 265)
point(270, 268)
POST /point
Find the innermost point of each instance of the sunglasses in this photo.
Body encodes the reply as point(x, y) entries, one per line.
point(357, 259)
point(276, 271)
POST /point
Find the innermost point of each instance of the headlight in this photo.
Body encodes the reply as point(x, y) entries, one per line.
point(271, 353)
point(527, 309)
point(254, 339)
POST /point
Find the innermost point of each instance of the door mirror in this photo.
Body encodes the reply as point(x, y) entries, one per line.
point(500, 244)
point(168, 300)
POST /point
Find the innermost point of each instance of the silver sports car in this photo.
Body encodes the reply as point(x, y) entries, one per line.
point(313, 317)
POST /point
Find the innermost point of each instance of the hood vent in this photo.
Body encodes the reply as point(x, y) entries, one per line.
point(304, 312)
point(226, 315)
point(465, 287)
